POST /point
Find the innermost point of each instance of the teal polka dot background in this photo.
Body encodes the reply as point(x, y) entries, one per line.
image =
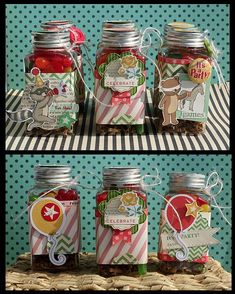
point(19, 179)
point(22, 19)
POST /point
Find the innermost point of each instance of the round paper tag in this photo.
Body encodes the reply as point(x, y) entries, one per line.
point(47, 216)
point(199, 70)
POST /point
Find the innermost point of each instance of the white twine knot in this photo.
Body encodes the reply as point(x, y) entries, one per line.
point(214, 181)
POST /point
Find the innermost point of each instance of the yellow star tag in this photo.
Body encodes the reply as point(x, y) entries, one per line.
point(192, 209)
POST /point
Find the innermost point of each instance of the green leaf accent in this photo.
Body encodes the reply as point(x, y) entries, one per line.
point(142, 218)
point(102, 206)
point(113, 194)
point(133, 91)
point(101, 69)
point(125, 54)
point(141, 65)
point(141, 80)
point(134, 229)
point(112, 57)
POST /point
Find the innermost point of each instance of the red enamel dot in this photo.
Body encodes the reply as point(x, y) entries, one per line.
point(35, 71)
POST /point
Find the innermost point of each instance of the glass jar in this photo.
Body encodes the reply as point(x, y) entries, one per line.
point(181, 97)
point(190, 202)
point(121, 223)
point(76, 38)
point(54, 220)
point(51, 75)
point(120, 79)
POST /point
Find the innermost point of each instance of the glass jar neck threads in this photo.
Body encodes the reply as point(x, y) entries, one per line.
point(121, 176)
point(119, 34)
point(188, 181)
point(50, 39)
point(181, 34)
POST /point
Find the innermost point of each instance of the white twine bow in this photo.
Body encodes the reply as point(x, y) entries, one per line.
point(215, 183)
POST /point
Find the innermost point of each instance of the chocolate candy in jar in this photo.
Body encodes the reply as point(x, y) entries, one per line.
point(181, 96)
point(54, 220)
point(121, 219)
point(184, 226)
point(77, 38)
point(48, 105)
point(120, 80)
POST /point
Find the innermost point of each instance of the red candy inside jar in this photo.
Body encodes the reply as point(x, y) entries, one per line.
point(50, 61)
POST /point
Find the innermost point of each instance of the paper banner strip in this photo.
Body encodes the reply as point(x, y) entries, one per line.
point(191, 238)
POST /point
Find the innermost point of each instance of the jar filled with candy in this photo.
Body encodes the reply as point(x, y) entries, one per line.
point(76, 38)
point(181, 94)
point(120, 79)
point(184, 233)
point(54, 220)
point(49, 100)
point(121, 223)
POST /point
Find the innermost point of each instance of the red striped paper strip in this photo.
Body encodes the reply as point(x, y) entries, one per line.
point(106, 251)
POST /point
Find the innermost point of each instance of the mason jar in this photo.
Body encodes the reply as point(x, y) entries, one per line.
point(186, 194)
point(181, 96)
point(76, 38)
point(54, 219)
point(121, 223)
point(120, 79)
point(50, 77)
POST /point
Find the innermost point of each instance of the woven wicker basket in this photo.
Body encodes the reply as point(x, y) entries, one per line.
point(20, 277)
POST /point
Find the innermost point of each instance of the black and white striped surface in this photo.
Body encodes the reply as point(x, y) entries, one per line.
point(85, 138)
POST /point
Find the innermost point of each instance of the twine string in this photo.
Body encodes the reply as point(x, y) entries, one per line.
point(147, 31)
point(157, 182)
point(216, 183)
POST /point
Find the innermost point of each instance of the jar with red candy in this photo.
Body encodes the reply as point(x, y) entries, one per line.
point(120, 79)
point(181, 93)
point(51, 81)
point(54, 219)
point(185, 220)
point(76, 38)
point(121, 223)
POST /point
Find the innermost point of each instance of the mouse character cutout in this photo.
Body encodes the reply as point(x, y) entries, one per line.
point(169, 102)
point(42, 95)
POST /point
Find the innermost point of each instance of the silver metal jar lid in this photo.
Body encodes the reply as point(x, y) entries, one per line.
point(119, 176)
point(120, 33)
point(57, 25)
point(183, 35)
point(191, 181)
point(53, 174)
point(51, 39)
